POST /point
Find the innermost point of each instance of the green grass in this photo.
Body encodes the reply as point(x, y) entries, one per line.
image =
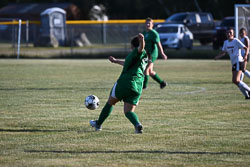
point(200, 119)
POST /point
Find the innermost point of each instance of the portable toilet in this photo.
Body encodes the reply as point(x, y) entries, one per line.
point(53, 24)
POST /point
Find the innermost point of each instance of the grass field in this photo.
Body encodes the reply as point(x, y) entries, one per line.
point(200, 119)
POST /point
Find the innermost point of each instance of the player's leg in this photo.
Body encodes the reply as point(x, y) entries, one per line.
point(242, 76)
point(106, 110)
point(156, 77)
point(146, 73)
point(236, 75)
point(243, 91)
point(130, 103)
point(246, 72)
point(132, 116)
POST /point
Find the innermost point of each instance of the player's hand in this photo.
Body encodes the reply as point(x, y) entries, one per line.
point(245, 59)
point(220, 55)
point(140, 36)
point(217, 57)
point(112, 59)
point(164, 56)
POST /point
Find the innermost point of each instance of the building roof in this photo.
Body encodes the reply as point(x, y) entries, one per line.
point(51, 10)
point(32, 11)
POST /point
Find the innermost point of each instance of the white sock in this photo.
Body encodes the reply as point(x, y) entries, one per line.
point(243, 91)
point(242, 76)
point(244, 85)
point(247, 73)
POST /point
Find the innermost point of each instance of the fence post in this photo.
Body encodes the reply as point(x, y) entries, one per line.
point(71, 40)
point(13, 35)
point(19, 38)
point(27, 33)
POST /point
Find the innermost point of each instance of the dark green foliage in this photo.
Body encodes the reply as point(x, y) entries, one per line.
point(136, 9)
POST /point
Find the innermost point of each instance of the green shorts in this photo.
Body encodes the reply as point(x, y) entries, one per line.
point(129, 96)
point(154, 58)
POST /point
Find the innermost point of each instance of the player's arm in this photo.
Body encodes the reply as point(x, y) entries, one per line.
point(116, 61)
point(220, 55)
point(164, 56)
point(246, 52)
point(141, 43)
point(246, 43)
point(223, 51)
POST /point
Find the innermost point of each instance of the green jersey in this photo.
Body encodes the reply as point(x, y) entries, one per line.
point(151, 39)
point(135, 63)
point(129, 85)
point(132, 74)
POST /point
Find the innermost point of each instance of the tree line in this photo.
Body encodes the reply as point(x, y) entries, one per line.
point(140, 9)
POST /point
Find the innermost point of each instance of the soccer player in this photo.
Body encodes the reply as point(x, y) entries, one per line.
point(245, 40)
point(152, 46)
point(232, 46)
point(129, 85)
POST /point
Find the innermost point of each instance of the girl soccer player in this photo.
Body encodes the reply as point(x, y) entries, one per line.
point(245, 40)
point(232, 46)
point(152, 46)
point(129, 85)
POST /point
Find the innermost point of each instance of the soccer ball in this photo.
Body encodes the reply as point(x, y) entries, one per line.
point(92, 102)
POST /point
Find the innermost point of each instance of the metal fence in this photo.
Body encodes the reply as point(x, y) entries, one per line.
point(116, 32)
point(9, 32)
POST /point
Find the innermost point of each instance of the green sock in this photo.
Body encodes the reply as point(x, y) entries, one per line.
point(145, 83)
point(107, 109)
point(157, 78)
point(132, 117)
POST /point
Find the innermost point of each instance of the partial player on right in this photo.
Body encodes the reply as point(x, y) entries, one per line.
point(232, 46)
point(245, 40)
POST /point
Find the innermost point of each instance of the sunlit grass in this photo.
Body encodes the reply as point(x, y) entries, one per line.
point(199, 119)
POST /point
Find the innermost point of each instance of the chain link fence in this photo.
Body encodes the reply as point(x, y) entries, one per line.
point(81, 37)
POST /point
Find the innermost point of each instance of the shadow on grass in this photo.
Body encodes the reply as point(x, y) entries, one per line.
point(49, 89)
point(31, 130)
point(139, 152)
point(44, 130)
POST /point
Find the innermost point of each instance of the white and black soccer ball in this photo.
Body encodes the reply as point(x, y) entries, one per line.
point(92, 102)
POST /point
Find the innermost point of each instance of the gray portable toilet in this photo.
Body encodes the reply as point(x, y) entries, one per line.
point(53, 25)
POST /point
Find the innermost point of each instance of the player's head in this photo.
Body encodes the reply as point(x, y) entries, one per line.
point(243, 32)
point(135, 42)
point(230, 33)
point(149, 23)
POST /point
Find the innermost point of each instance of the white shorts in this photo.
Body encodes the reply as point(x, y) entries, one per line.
point(113, 91)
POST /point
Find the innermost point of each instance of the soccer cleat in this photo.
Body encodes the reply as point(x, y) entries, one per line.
point(138, 128)
point(163, 84)
point(94, 124)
